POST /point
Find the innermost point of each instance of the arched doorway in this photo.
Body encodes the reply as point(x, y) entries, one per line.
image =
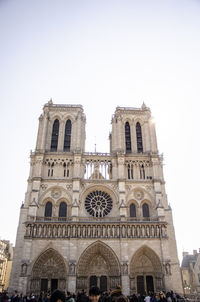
point(145, 272)
point(48, 272)
point(98, 265)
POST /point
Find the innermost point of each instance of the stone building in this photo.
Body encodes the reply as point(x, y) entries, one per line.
point(6, 256)
point(190, 269)
point(95, 218)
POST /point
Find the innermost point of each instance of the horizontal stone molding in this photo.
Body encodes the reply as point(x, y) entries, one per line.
point(112, 230)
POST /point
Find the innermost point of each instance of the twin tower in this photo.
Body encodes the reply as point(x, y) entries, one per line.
point(95, 218)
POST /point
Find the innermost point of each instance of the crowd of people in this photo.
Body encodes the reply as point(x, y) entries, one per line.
point(94, 295)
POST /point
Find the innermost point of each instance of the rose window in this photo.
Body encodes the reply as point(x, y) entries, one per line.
point(98, 203)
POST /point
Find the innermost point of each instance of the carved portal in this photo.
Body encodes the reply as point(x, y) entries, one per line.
point(48, 273)
point(98, 261)
point(146, 271)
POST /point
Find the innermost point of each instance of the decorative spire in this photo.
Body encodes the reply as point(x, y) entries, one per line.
point(144, 106)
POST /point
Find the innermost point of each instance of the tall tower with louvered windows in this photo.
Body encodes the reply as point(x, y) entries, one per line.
point(95, 218)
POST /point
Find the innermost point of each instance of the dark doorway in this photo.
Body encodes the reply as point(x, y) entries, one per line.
point(54, 284)
point(149, 282)
point(103, 283)
point(93, 281)
point(44, 285)
point(140, 285)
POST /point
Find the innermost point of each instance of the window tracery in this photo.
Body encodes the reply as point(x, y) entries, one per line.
point(55, 134)
point(139, 138)
point(128, 137)
point(132, 210)
point(63, 210)
point(145, 210)
point(48, 209)
point(98, 203)
point(67, 139)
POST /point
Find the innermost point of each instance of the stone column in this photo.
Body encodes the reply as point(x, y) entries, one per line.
point(125, 279)
point(39, 135)
point(61, 136)
point(72, 277)
point(44, 131)
point(146, 138)
point(154, 147)
point(133, 138)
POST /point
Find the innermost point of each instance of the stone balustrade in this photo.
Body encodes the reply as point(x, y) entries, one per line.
point(72, 229)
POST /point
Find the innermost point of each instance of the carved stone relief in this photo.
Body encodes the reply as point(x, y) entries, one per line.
point(44, 187)
point(56, 193)
point(72, 269)
point(124, 269)
point(139, 195)
point(24, 269)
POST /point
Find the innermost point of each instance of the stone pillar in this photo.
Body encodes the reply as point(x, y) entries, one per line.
point(78, 132)
point(72, 284)
point(39, 135)
point(61, 136)
point(125, 279)
point(146, 139)
point(72, 276)
point(44, 131)
point(133, 138)
point(154, 147)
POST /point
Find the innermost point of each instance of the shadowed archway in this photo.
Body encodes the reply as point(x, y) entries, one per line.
point(98, 265)
point(48, 272)
point(145, 271)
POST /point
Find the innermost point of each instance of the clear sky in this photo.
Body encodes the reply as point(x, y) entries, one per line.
point(103, 54)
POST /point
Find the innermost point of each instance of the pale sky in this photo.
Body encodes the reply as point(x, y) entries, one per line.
point(103, 54)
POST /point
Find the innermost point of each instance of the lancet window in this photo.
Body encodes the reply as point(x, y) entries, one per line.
point(142, 172)
point(139, 138)
point(67, 139)
point(132, 210)
point(130, 171)
point(50, 170)
point(63, 210)
point(128, 137)
point(48, 209)
point(145, 210)
point(55, 134)
point(66, 170)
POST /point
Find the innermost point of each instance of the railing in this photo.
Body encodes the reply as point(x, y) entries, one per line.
point(106, 154)
point(92, 219)
point(95, 229)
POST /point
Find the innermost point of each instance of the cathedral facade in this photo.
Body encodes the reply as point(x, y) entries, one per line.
point(95, 218)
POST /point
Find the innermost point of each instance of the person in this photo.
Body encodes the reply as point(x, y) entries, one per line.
point(15, 297)
point(117, 296)
point(82, 297)
point(162, 297)
point(4, 297)
point(94, 294)
point(168, 297)
point(58, 296)
point(69, 297)
point(147, 298)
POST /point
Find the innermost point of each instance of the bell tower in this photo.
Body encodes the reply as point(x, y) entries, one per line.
point(133, 131)
point(61, 132)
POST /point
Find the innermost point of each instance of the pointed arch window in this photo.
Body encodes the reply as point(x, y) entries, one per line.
point(130, 171)
point(48, 209)
point(128, 137)
point(139, 138)
point(67, 139)
point(142, 172)
point(63, 209)
point(145, 210)
point(54, 137)
point(132, 210)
